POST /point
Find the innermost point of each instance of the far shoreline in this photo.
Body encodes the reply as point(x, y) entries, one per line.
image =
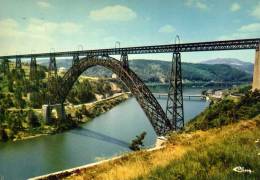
point(121, 97)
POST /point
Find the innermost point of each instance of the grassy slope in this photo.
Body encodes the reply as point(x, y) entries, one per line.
point(227, 111)
point(220, 150)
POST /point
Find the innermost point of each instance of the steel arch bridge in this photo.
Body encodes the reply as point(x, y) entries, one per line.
point(162, 123)
point(143, 95)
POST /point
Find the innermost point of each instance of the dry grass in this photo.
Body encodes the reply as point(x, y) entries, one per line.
point(143, 163)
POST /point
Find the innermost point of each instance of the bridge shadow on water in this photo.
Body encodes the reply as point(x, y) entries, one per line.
point(99, 136)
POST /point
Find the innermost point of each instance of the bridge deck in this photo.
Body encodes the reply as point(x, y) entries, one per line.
point(185, 95)
point(185, 47)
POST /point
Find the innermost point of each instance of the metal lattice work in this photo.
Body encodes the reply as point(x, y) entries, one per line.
point(18, 63)
point(75, 59)
point(174, 109)
point(5, 66)
point(124, 60)
point(33, 68)
point(168, 48)
point(143, 95)
point(52, 71)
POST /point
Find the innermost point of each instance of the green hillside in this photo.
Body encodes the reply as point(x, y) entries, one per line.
point(153, 70)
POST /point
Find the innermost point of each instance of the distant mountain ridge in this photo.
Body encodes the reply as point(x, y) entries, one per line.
point(158, 71)
point(236, 63)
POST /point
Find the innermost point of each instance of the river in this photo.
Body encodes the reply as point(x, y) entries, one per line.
point(105, 136)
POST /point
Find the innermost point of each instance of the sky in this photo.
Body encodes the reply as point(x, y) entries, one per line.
point(34, 26)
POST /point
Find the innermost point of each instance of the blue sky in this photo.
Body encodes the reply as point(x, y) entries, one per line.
point(40, 25)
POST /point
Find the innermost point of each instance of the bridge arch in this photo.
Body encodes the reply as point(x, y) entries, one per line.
point(143, 95)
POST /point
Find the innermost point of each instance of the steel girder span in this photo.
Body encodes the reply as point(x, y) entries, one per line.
point(143, 95)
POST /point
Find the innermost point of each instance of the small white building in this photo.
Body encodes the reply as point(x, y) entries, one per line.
point(62, 70)
point(218, 94)
point(114, 76)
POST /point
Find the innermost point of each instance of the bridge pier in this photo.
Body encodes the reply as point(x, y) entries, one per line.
point(75, 59)
point(124, 60)
point(33, 68)
point(18, 63)
point(52, 67)
point(47, 111)
point(256, 77)
point(5, 66)
point(174, 109)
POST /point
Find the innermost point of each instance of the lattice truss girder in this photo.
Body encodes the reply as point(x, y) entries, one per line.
point(169, 48)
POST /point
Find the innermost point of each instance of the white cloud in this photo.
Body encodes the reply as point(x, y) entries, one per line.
point(8, 27)
point(43, 4)
point(167, 29)
point(245, 31)
point(200, 4)
point(113, 13)
point(256, 11)
point(235, 7)
point(39, 26)
point(254, 27)
point(37, 34)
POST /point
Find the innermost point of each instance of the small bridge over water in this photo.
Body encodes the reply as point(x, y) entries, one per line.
point(186, 96)
point(162, 122)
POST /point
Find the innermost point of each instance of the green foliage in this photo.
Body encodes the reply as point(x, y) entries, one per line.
point(36, 99)
point(6, 102)
point(67, 124)
point(137, 143)
point(41, 72)
point(81, 92)
point(33, 119)
point(14, 121)
point(215, 160)
point(102, 87)
point(227, 111)
point(3, 135)
point(19, 101)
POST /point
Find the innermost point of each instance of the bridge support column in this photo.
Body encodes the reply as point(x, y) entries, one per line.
point(256, 77)
point(47, 110)
point(174, 109)
point(46, 113)
point(52, 67)
point(75, 59)
point(33, 68)
point(124, 60)
point(60, 111)
point(5, 66)
point(18, 63)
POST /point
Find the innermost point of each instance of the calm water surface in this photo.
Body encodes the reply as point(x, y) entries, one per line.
point(106, 136)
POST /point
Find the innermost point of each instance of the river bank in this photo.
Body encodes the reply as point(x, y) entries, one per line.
point(91, 110)
point(177, 150)
point(160, 143)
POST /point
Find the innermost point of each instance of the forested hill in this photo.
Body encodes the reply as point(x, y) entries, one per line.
point(154, 70)
point(158, 71)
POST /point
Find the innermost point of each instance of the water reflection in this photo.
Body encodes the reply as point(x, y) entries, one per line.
point(99, 136)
